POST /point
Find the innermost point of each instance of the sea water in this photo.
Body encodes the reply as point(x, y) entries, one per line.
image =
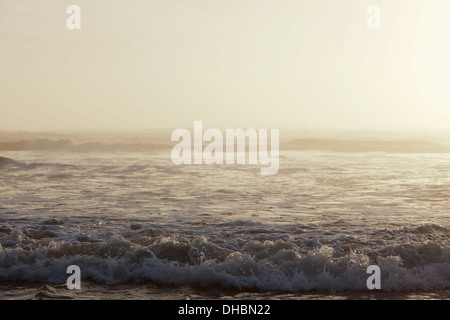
point(139, 226)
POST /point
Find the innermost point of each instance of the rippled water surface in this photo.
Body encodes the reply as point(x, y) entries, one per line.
point(136, 222)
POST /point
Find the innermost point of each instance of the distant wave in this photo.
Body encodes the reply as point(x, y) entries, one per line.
point(4, 161)
point(72, 145)
point(64, 144)
point(407, 146)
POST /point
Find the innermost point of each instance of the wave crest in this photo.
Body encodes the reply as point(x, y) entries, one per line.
point(268, 265)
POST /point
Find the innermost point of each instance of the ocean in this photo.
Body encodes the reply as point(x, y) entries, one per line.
point(141, 227)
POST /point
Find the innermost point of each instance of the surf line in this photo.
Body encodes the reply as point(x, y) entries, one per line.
point(236, 139)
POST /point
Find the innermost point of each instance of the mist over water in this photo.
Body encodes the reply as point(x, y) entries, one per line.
point(92, 91)
point(133, 218)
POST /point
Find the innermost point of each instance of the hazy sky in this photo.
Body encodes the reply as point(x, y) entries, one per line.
point(146, 64)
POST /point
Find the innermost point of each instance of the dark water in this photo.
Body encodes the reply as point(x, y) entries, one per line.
point(140, 227)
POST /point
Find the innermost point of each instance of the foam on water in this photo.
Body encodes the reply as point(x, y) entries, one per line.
point(133, 218)
point(267, 265)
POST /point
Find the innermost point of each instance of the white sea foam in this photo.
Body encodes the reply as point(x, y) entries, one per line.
point(131, 218)
point(265, 265)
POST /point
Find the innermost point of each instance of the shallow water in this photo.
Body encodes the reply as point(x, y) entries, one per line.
point(140, 227)
point(94, 291)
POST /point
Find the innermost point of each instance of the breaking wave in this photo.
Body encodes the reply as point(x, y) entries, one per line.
point(262, 265)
